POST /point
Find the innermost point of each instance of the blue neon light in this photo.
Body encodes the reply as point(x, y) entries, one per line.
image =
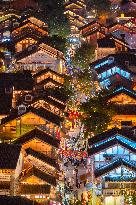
point(103, 142)
point(105, 83)
point(122, 88)
point(113, 71)
point(118, 137)
point(101, 64)
point(126, 141)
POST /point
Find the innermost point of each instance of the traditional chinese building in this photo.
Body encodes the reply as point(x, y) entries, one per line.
point(28, 33)
point(109, 39)
point(38, 57)
point(36, 127)
point(114, 165)
point(125, 106)
point(94, 29)
point(11, 163)
point(41, 169)
point(75, 11)
point(116, 69)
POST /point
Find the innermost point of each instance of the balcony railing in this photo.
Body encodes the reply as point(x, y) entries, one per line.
point(48, 130)
point(32, 67)
point(117, 192)
point(14, 131)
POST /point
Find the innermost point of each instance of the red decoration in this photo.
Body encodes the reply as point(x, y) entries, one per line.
point(74, 154)
point(58, 134)
point(74, 114)
point(117, 76)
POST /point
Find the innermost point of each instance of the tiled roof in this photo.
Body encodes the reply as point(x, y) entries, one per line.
point(38, 134)
point(113, 165)
point(34, 36)
point(40, 174)
point(119, 179)
point(90, 32)
point(114, 131)
point(59, 95)
point(20, 81)
point(112, 141)
point(89, 24)
point(43, 157)
point(9, 155)
point(48, 115)
point(27, 21)
point(46, 71)
point(124, 90)
point(106, 42)
point(41, 112)
point(129, 109)
point(49, 100)
point(35, 189)
point(119, 59)
point(48, 80)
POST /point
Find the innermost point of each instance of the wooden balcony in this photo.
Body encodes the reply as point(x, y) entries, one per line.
point(117, 192)
point(12, 132)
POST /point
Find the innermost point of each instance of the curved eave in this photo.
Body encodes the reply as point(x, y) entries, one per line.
point(113, 165)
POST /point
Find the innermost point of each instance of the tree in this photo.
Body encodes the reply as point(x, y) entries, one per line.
point(59, 43)
point(83, 56)
point(96, 114)
point(79, 86)
point(86, 81)
point(54, 14)
point(102, 7)
point(59, 25)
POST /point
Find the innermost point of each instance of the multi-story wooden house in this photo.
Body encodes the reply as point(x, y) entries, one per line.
point(114, 165)
point(11, 164)
point(116, 69)
point(38, 57)
point(41, 169)
point(36, 126)
point(76, 13)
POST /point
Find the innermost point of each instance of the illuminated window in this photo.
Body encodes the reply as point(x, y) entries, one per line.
point(120, 150)
point(115, 150)
point(103, 75)
point(133, 157)
point(109, 72)
point(97, 157)
point(113, 70)
point(109, 151)
point(105, 83)
point(118, 170)
point(101, 158)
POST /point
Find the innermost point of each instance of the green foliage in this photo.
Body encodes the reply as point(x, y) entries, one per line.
point(59, 43)
point(59, 25)
point(78, 202)
point(101, 6)
point(79, 86)
point(129, 197)
point(70, 91)
point(96, 113)
point(54, 14)
point(83, 56)
point(86, 81)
